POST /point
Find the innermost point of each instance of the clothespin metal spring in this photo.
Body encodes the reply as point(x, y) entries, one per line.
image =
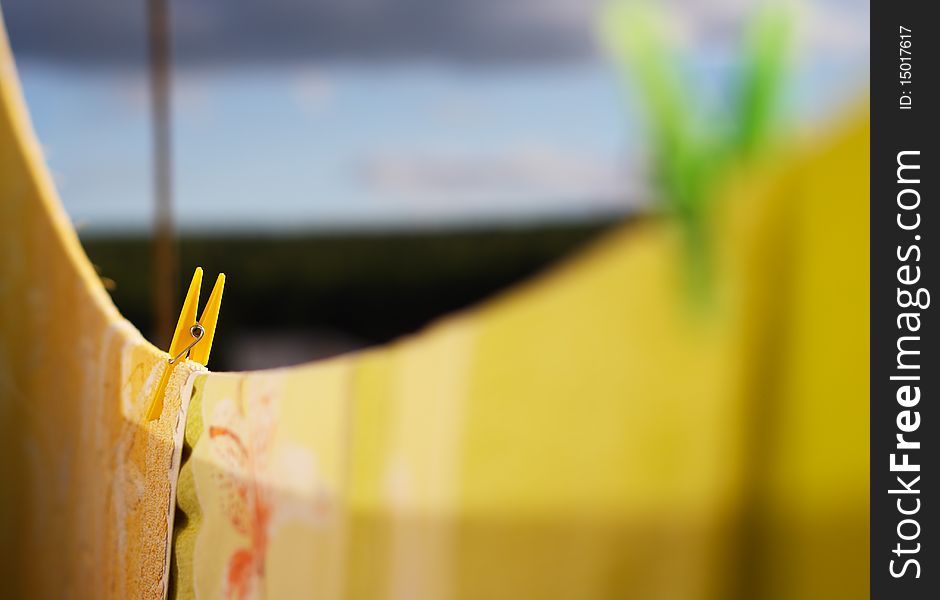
point(197, 331)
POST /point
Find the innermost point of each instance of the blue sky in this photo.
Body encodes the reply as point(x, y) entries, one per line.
point(320, 142)
point(316, 147)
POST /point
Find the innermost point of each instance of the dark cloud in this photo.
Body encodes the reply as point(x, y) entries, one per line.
point(223, 30)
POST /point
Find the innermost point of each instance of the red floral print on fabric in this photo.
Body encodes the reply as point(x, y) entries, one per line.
point(241, 435)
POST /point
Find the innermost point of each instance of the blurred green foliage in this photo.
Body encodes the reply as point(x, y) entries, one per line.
point(372, 285)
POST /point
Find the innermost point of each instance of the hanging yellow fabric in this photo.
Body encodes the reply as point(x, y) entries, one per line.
point(85, 506)
point(592, 434)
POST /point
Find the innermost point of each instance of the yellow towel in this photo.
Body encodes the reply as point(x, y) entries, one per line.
point(595, 433)
point(87, 484)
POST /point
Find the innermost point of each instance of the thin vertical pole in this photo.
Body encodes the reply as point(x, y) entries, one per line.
point(164, 244)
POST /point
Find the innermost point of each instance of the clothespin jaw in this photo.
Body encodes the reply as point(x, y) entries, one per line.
point(191, 337)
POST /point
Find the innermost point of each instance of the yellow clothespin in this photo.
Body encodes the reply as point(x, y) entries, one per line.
point(191, 336)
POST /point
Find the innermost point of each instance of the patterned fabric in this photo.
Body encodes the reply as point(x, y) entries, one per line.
point(599, 432)
point(87, 484)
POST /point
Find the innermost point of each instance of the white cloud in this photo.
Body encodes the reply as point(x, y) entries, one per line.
point(839, 28)
point(313, 92)
point(529, 173)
